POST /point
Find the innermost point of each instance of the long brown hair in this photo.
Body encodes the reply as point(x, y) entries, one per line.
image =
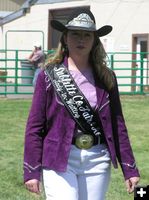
point(98, 59)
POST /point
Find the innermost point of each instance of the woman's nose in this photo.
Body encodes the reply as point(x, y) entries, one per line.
point(81, 36)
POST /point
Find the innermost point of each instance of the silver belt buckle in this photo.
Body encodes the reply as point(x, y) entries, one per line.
point(84, 141)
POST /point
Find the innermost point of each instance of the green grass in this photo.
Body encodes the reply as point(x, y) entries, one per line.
point(13, 115)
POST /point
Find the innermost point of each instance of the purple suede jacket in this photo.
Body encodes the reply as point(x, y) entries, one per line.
point(51, 150)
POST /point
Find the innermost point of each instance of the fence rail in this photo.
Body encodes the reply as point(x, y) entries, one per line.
point(131, 69)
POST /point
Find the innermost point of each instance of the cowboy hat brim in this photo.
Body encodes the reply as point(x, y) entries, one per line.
point(100, 32)
point(104, 30)
point(58, 26)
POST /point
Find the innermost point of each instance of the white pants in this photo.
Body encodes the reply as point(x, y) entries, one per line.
point(87, 176)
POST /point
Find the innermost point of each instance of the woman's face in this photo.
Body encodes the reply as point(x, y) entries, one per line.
point(79, 42)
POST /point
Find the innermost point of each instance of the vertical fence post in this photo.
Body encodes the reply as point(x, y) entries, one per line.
point(16, 71)
point(112, 61)
point(141, 74)
point(5, 70)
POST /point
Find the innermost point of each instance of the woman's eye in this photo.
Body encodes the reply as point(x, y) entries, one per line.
point(75, 34)
point(87, 35)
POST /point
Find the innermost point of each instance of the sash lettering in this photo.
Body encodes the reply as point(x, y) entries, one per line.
point(73, 99)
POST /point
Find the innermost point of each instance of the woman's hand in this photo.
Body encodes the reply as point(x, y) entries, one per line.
point(131, 183)
point(33, 186)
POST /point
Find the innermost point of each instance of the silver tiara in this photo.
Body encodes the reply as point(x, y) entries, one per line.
point(82, 20)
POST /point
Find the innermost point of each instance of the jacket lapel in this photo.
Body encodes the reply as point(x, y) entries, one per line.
point(102, 95)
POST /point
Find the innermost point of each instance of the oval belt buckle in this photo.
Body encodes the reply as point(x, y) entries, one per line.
point(84, 141)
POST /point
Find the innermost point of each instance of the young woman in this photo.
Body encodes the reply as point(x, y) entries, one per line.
point(75, 127)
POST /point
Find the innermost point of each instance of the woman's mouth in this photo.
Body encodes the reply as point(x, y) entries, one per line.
point(80, 47)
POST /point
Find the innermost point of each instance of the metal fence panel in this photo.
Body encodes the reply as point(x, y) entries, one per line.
point(16, 74)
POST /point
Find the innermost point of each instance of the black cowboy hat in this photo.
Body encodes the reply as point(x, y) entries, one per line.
point(81, 19)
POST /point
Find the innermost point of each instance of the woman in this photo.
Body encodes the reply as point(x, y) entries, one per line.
point(76, 126)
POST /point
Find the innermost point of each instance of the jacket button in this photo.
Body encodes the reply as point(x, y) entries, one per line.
point(104, 118)
point(110, 139)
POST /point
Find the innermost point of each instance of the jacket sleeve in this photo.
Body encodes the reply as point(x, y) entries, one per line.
point(34, 133)
point(122, 143)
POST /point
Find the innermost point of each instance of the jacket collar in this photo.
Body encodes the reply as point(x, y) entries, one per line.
point(102, 93)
